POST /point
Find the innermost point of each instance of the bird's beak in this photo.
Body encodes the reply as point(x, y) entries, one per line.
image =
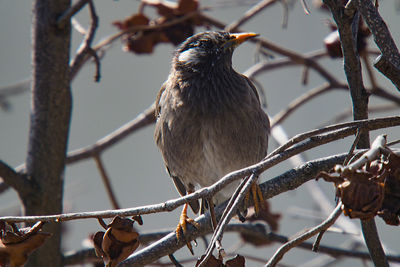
point(238, 38)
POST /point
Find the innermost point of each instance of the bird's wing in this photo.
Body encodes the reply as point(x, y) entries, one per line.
point(158, 107)
point(194, 204)
point(250, 83)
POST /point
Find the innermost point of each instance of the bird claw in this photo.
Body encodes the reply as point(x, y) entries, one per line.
point(258, 199)
point(182, 227)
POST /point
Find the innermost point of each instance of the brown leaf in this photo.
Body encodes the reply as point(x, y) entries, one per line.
point(361, 191)
point(187, 6)
point(97, 241)
point(134, 20)
point(164, 8)
point(237, 261)
point(16, 254)
point(391, 204)
point(118, 242)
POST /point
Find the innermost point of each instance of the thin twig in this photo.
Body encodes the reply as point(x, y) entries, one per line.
point(106, 181)
point(353, 146)
point(372, 154)
point(174, 260)
point(295, 104)
point(228, 213)
point(143, 119)
point(317, 241)
point(86, 49)
point(357, 124)
point(300, 239)
point(295, 57)
point(389, 62)
point(305, 7)
point(348, 113)
point(252, 12)
point(64, 18)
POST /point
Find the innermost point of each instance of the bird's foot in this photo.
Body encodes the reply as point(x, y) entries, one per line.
point(258, 199)
point(182, 227)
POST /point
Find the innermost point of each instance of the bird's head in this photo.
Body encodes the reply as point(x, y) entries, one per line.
point(208, 50)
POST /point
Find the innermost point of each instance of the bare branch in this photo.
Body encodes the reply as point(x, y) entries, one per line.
point(348, 32)
point(14, 179)
point(295, 104)
point(228, 214)
point(295, 57)
point(86, 51)
point(294, 242)
point(106, 181)
point(10, 90)
point(88, 255)
point(253, 11)
point(287, 181)
point(64, 18)
point(389, 62)
point(143, 119)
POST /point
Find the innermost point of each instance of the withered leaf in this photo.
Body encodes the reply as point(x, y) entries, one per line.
point(118, 242)
point(143, 42)
point(186, 6)
point(391, 204)
point(134, 20)
point(16, 254)
point(237, 261)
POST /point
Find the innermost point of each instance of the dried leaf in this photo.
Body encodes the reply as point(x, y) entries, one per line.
point(143, 42)
point(237, 261)
point(14, 249)
point(391, 204)
point(361, 191)
point(186, 6)
point(118, 242)
point(134, 20)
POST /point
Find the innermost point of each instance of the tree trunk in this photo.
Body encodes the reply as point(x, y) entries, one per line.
point(49, 122)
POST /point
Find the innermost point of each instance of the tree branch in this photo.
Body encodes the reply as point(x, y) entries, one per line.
point(147, 117)
point(272, 159)
point(250, 229)
point(86, 49)
point(348, 31)
point(296, 241)
point(254, 10)
point(14, 179)
point(287, 181)
point(389, 62)
point(70, 12)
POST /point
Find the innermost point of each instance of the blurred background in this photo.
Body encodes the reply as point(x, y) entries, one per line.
point(129, 84)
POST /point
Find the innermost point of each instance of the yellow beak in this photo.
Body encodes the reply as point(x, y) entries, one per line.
point(239, 38)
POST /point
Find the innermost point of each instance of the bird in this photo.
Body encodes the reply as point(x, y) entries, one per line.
point(210, 121)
